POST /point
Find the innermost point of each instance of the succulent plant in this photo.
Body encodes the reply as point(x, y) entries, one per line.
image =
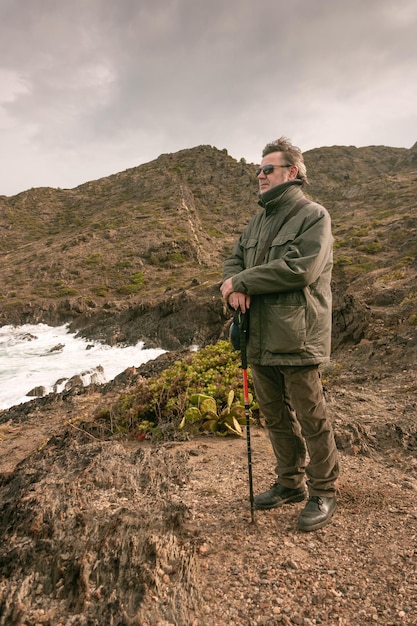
point(195, 394)
point(204, 412)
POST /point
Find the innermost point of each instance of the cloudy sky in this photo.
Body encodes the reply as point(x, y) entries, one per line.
point(89, 88)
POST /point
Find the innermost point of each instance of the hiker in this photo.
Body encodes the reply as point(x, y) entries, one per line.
point(280, 272)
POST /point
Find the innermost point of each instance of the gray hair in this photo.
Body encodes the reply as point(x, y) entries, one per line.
point(293, 155)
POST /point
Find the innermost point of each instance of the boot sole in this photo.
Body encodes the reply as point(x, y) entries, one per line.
point(266, 507)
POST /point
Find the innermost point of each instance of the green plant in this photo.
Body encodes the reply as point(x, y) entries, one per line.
point(413, 319)
point(343, 260)
point(214, 232)
point(134, 286)
point(175, 257)
point(410, 299)
point(137, 278)
point(128, 290)
point(65, 291)
point(405, 261)
point(92, 260)
point(205, 413)
point(371, 248)
point(213, 372)
point(100, 290)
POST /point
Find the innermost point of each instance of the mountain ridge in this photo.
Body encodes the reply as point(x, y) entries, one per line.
point(104, 526)
point(144, 243)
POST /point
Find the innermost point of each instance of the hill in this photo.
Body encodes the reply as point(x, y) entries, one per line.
point(120, 256)
point(105, 529)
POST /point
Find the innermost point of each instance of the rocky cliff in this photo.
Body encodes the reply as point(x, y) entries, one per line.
point(138, 255)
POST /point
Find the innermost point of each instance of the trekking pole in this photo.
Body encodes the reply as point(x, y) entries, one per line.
point(243, 328)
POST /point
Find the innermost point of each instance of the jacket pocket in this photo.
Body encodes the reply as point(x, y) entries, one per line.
point(283, 238)
point(249, 246)
point(280, 245)
point(285, 328)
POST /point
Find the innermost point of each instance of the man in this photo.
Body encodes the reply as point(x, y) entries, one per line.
point(289, 296)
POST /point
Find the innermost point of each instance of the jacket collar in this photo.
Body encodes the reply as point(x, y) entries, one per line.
point(276, 192)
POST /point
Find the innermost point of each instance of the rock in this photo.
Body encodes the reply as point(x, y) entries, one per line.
point(58, 384)
point(58, 348)
point(75, 381)
point(70, 509)
point(37, 392)
point(28, 337)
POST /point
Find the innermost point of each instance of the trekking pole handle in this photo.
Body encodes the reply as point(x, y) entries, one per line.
point(243, 331)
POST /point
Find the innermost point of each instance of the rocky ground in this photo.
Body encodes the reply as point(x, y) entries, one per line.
point(102, 531)
point(114, 531)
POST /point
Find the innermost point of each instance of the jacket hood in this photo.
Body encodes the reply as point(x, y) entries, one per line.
point(276, 192)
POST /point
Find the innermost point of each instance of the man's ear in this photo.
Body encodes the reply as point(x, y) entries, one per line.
point(292, 172)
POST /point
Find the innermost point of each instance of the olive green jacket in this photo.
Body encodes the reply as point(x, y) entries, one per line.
point(291, 300)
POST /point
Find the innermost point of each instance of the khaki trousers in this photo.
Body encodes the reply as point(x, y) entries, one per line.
point(292, 402)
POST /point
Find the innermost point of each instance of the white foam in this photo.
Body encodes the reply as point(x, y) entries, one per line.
point(38, 355)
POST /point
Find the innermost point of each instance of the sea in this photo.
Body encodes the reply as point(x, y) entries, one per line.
point(37, 355)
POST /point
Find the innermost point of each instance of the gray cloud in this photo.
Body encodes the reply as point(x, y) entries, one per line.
point(90, 88)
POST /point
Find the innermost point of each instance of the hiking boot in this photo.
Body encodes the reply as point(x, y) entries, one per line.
point(277, 496)
point(317, 512)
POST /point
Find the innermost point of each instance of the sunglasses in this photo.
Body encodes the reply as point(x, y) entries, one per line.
point(268, 169)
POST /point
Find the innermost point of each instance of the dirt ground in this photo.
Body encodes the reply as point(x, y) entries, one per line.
point(176, 518)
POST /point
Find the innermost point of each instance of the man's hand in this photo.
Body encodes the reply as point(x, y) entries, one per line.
point(227, 288)
point(236, 299)
point(239, 300)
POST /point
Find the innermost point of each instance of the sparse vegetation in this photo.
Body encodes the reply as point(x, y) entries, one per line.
point(342, 260)
point(135, 284)
point(93, 260)
point(124, 530)
point(163, 402)
point(374, 247)
point(100, 290)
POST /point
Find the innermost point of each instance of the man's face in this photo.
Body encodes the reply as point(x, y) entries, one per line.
point(278, 175)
